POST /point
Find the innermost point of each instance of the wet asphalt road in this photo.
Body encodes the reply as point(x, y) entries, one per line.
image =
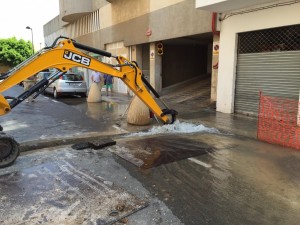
point(50, 118)
point(241, 181)
point(237, 181)
point(232, 179)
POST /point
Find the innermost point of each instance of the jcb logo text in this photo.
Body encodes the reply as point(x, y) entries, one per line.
point(77, 58)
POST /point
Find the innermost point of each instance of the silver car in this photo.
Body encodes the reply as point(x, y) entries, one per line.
point(42, 75)
point(68, 84)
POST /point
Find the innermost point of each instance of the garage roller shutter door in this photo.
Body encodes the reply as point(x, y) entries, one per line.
point(274, 73)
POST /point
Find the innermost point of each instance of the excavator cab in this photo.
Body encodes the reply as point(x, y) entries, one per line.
point(63, 55)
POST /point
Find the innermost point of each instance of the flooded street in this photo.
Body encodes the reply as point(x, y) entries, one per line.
point(218, 179)
point(207, 168)
point(179, 177)
point(210, 176)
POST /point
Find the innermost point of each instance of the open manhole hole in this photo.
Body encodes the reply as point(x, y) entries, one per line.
point(155, 151)
point(94, 144)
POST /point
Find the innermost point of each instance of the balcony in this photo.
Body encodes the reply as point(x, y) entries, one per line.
point(72, 10)
point(228, 5)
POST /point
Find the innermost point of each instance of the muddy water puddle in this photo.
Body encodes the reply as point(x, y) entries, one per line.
point(248, 182)
point(154, 151)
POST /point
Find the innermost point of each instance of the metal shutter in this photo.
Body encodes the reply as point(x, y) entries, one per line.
point(274, 73)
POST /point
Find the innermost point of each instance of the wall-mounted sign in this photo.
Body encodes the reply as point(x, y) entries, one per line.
point(152, 54)
point(216, 46)
point(149, 32)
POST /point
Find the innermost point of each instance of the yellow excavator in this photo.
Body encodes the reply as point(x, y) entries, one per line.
point(62, 55)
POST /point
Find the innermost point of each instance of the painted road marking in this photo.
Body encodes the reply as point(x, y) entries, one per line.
point(199, 162)
point(119, 128)
point(84, 177)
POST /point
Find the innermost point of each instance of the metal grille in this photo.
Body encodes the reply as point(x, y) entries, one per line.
point(278, 121)
point(271, 40)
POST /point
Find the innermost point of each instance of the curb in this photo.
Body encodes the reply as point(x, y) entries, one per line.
point(95, 136)
point(40, 144)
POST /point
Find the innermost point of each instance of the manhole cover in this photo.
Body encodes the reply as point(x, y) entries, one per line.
point(154, 151)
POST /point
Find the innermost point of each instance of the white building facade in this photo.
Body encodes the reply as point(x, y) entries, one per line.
point(259, 51)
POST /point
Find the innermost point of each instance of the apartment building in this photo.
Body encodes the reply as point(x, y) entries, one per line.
point(259, 51)
point(135, 29)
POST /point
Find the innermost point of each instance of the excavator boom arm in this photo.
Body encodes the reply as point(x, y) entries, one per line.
point(66, 54)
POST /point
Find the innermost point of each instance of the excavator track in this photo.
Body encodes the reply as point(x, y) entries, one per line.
point(9, 150)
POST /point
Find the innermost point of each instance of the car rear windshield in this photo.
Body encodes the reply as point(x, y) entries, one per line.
point(46, 75)
point(72, 77)
point(43, 75)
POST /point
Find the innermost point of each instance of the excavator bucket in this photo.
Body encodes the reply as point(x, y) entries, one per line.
point(4, 106)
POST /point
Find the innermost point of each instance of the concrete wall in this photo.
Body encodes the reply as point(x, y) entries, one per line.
point(121, 11)
point(179, 20)
point(129, 20)
point(182, 63)
point(263, 19)
point(52, 26)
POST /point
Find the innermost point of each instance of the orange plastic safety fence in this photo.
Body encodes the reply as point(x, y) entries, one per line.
point(278, 121)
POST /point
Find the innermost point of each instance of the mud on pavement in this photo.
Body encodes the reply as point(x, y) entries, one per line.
point(66, 186)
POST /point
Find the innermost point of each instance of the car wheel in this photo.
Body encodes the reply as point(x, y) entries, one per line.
point(83, 95)
point(55, 94)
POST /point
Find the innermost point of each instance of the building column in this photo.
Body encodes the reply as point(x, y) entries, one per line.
point(136, 55)
point(138, 112)
point(215, 68)
point(155, 68)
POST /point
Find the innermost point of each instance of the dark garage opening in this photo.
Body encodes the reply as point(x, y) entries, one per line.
point(186, 58)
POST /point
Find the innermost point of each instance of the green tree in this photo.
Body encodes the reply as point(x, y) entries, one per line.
point(13, 51)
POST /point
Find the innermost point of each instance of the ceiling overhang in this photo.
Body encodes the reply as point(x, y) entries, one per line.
point(222, 6)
